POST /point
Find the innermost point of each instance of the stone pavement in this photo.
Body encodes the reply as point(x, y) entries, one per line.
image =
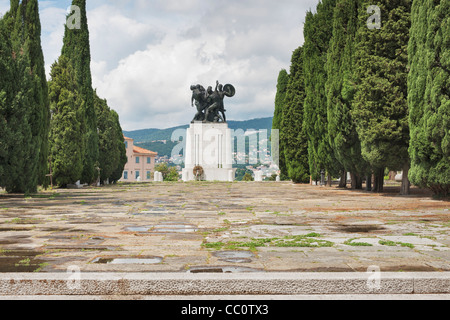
point(204, 227)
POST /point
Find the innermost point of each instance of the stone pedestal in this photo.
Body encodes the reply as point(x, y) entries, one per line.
point(209, 146)
point(258, 176)
point(158, 177)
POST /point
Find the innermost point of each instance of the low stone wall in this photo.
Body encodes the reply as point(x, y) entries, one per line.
point(104, 284)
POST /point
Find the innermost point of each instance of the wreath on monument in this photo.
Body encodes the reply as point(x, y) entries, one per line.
point(198, 172)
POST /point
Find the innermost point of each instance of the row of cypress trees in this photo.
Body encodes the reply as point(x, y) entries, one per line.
point(61, 125)
point(369, 98)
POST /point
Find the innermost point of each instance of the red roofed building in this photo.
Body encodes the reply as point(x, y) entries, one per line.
point(141, 163)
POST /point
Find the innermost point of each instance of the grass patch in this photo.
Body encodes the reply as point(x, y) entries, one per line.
point(254, 243)
point(357, 244)
point(418, 235)
point(44, 196)
point(213, 245)
point(23, 263)
point(278, 213)
point(22, 221)
point(311, 235)
point(309, 240)
point(395, 244)
point(41, 266)
point(429, 237)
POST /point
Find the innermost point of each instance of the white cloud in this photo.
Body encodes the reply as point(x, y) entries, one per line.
point(234, 42)
point(52, 21)
point(146, 54)
point(4, 7)
point(150, 86)
point(114, 36)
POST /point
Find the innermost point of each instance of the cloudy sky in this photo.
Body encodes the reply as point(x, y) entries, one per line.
point(147, 53)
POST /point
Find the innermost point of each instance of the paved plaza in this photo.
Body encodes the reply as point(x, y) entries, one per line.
point(212, 227)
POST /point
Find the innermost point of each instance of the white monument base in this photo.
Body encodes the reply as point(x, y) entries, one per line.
point(209, 147)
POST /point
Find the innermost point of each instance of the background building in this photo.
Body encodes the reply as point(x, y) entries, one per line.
point(141, 163)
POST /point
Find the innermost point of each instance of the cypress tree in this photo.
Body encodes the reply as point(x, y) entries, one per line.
point(22, 151)
point(7, 90)
point(66, 143)
point(318, 32)
point(109, 152)
point(293, 134)
point(120, 142)
point(26, 154)
point(77, 48)
point(341, 89)
point(33, 34)
point(282, 83)
point(380, 105)
point(25, 104)
point(429, 95)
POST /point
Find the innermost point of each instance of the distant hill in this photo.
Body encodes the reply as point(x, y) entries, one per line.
point(148, 135)
point(144, 138)
point(256, 124)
